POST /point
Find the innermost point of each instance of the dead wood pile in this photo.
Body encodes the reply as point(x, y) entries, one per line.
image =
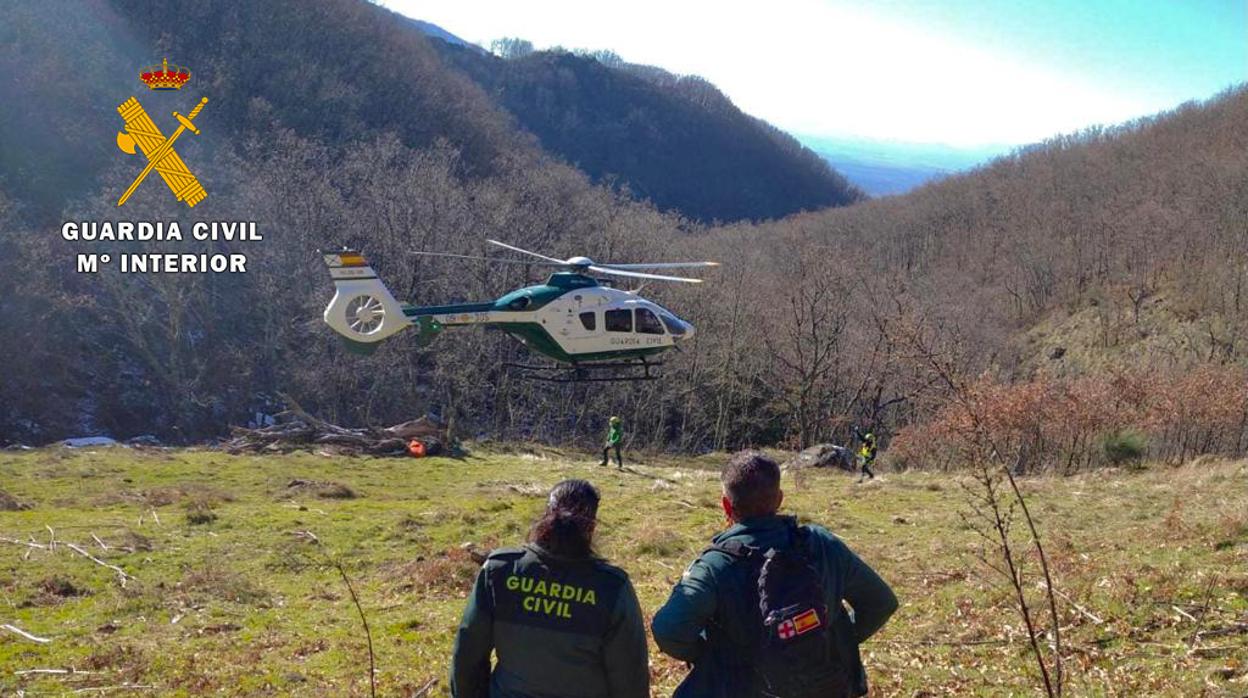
point(296, 429)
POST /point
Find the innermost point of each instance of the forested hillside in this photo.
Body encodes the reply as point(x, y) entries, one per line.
point(1099, 275)
point(1083, 291)
point(675, 141)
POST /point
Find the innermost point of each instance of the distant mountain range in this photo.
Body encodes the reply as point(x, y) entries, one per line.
point(884, 168)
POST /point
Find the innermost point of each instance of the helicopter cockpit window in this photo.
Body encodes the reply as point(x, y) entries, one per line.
point(520, 303)
point(589, 321)
point(647, 323)
point(674, 326)
point(619, 320)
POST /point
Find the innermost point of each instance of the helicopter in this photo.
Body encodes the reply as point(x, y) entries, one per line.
point(589, 329)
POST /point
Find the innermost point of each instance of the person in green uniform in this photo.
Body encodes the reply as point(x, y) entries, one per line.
point(615, 434)
point(562, 622)
point(866, 453)
point(711, 618)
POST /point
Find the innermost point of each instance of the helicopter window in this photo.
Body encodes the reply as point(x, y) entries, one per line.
point(589, 321)
point(647, 323)
point(619, 320)
point(674, 326)
point(520, 303)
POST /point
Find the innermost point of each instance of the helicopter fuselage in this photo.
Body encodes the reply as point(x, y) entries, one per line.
point(571, 319)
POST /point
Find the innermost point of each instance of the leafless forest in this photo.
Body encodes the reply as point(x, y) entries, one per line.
point(1089, 289)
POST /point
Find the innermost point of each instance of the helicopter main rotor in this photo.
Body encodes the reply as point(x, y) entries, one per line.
point(582, 264)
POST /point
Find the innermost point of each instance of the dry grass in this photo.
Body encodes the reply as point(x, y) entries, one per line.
point(448, 573)
point(10, 503)
point(324, 489)
point(655, 540)
point(1151, 566)
point(165, 495)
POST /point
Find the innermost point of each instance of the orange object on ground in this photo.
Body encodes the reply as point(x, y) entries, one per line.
point(416, 447)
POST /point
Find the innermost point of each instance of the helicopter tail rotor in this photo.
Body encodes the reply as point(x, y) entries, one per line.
point(362, 310)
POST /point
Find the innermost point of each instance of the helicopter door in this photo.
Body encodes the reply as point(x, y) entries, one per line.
point(648, 328)
point(580, 329)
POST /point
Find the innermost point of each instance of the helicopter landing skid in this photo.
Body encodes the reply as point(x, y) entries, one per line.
point(583, 373)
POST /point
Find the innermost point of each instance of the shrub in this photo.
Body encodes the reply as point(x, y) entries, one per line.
point(199, 513)
point(10, 503)
point(1124, 446)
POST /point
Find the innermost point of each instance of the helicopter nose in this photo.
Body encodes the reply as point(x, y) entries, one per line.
point(687, 334)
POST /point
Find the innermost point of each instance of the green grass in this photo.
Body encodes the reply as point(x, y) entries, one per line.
point(231, 594)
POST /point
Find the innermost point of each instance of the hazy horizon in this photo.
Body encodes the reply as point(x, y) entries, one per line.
point(995, 75)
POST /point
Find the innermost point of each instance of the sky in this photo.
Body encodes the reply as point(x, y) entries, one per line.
point(955, 72)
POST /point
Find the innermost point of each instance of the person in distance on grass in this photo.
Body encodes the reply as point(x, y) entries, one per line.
point(562, 622)
point(866, 452)
point(614, 435)
point(760, 612)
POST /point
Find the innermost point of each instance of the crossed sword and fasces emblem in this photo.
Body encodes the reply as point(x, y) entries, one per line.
point(159, 150)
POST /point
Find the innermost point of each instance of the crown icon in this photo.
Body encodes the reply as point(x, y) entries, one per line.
point(162, 77)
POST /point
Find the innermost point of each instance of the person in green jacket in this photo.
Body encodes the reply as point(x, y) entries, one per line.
point(711, 618)
point(562, 622)
point(614, 435)
point(867, 450)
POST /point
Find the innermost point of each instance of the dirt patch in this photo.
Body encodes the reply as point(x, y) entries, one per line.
point(60, 586)
point(53, 590)
point(125, 661)
point(325, 489)
point(10, 503)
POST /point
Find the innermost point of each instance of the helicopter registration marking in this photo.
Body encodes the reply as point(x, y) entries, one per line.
point(635, 341)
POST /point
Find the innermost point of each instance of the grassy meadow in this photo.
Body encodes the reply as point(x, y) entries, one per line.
point(234, 588)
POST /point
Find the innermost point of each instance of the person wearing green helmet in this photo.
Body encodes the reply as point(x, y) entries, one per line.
point(866, 452)
point(615, 434)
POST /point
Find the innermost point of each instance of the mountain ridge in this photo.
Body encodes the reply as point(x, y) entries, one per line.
point(722, 165)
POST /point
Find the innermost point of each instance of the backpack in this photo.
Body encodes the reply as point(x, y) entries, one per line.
point(800, 649)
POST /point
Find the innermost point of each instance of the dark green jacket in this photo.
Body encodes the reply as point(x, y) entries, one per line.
point(561, 627)
point(705, 621)
point(614, 434)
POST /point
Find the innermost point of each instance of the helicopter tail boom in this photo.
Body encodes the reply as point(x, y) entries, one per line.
point(362, 310)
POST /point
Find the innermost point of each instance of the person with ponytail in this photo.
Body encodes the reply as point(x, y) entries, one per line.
point(562, 622)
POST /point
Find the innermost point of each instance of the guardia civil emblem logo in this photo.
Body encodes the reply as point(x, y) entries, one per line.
point(142, 132)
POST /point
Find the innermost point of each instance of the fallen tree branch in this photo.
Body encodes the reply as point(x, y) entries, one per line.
point(18, 631)
point(1082, 611)
point(949, 643)
point(120, 572)
point(14, 541)
point(1185, 614)
point(24, 672)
